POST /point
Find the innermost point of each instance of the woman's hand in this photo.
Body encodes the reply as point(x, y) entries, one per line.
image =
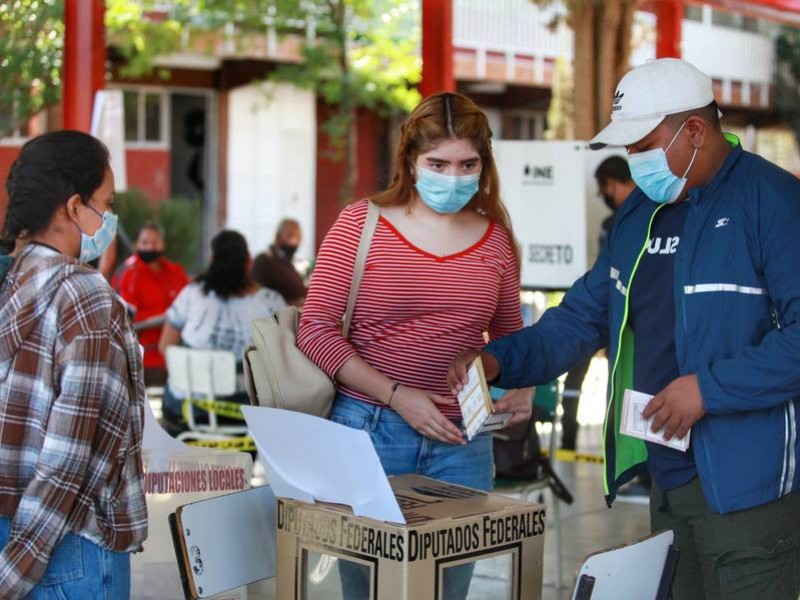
point(419, 410)
point(519, 402)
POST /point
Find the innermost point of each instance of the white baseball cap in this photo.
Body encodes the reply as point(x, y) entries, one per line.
point(647, 94)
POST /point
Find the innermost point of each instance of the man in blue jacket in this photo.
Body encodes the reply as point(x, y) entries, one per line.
point(697, 295)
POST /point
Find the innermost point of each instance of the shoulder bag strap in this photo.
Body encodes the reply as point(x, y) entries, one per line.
point(373, 212)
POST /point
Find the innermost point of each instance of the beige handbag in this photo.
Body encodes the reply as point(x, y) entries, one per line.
point(276, 373)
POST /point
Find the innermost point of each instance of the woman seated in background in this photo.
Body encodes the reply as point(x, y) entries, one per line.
point(217, 310)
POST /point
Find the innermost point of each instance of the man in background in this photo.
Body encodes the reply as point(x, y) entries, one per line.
point(149, 283)
point(274, 269)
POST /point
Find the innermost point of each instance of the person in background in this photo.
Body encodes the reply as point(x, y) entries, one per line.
point(149, 283)
point(274, 269)
point(442, 270)
point(614, 184)
point(72, 502)
point(217, 310)
point(697, 296)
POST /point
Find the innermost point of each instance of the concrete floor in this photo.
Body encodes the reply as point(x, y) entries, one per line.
point(586, 526)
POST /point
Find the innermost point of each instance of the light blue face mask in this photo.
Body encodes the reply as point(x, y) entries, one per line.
point(93, 246)
point(446, 194)
point(650, 170)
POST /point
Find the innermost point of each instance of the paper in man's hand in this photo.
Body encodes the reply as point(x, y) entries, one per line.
point(635, 425)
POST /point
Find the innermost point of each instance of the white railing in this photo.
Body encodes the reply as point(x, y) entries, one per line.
point(510, 26)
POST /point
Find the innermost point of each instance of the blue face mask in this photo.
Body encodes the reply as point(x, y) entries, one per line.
point(93, 246)
point(446, 194)
point(650, 170)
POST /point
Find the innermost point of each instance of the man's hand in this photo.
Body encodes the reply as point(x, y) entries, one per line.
point(457, 374)
point(519, 402)
point(678, 406)
point(419, 410)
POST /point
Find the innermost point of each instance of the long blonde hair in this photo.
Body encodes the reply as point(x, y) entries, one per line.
point(437, 118)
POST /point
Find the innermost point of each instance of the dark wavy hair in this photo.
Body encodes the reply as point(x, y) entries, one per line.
point(49, 170)
point(227, 275)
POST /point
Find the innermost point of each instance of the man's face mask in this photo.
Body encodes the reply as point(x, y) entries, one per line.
point(288, 250)
point(149, 256)
point(650, 170)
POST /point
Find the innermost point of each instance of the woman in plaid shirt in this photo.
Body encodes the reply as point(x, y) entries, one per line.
point(72, 503)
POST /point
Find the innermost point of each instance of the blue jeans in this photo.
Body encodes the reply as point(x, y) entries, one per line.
point(80, 569)
point(402, 450)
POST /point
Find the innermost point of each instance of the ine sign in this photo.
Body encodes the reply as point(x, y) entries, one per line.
point(549, 190)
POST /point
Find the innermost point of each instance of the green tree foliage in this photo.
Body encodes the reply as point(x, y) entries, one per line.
point(137, 39)
point(31, 45)
point(357, 53)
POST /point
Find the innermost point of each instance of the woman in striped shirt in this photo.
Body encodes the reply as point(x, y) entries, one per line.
point(442, 269)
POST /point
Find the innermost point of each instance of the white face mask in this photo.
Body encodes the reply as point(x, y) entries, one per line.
point(650, 170)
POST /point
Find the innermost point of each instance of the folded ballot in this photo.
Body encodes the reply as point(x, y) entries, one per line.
point(635, 425)
point(477, 408)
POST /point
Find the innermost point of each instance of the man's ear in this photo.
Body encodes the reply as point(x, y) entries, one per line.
point(698, 131)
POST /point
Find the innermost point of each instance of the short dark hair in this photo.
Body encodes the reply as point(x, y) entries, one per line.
point(151, 226)
point(49, 170)
point(614, 167)
point(709, 113)
point(227, 275)
point(287, 223)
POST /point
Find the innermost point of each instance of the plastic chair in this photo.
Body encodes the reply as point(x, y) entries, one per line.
point(643, 569)
point(203, 375)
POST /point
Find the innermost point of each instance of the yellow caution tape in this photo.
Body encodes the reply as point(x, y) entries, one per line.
point(242, 444)
point(231, 410)
point(572, 456)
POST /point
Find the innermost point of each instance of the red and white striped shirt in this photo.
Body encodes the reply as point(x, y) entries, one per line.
point(415, 311)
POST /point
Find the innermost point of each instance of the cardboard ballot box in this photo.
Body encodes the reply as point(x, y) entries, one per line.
point(454, 538)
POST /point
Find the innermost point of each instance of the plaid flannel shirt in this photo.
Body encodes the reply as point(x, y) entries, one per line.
point(72, 410)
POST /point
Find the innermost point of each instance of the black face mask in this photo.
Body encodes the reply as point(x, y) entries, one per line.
point(288, 251)
point(149, 256)
point(609, 200)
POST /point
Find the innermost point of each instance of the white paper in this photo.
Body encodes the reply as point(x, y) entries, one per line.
point(475, 406)
point(312, 459)
point(158, 446)
point(635, 425)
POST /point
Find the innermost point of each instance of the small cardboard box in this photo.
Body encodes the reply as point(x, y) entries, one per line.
point(454, 537)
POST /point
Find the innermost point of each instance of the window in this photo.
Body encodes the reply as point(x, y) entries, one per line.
point(145, 116)
point(692, 12)
point(36, 124)
point(525, 125)
point(721, 18)
point(735, 21)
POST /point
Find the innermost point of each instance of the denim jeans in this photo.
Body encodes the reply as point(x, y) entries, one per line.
point(402, 450)
point(80, 569)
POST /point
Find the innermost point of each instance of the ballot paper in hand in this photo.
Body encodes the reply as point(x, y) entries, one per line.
point(635, 425)
point(312, 459)
point(477, 409)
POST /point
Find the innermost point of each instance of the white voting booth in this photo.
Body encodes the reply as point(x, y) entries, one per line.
point(551, 194)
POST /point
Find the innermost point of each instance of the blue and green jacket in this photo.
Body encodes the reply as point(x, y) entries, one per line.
point(737, 304)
